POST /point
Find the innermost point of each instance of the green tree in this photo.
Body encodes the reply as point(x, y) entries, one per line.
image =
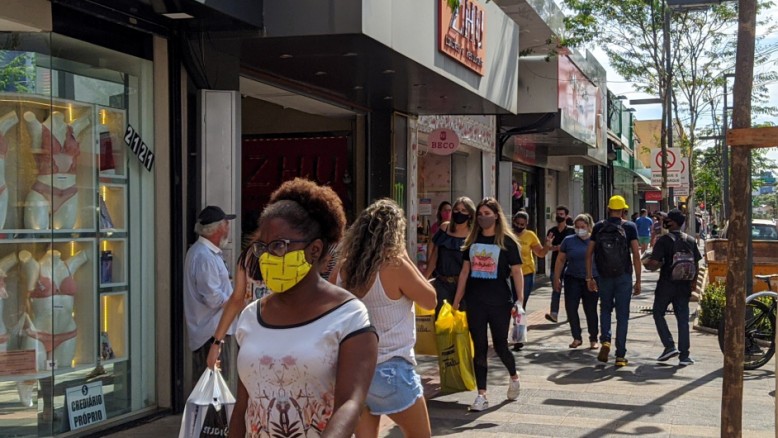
point(17, 73)
point(703, 45)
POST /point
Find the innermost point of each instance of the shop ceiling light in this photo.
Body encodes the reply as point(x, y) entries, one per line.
point(286, 56)
point(350, 54)
point(387, 97)
point(358, 87)
point(388, 71)
point(178, 16)
point(320, 73)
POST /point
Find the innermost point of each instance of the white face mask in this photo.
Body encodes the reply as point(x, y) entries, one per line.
point(583, 233)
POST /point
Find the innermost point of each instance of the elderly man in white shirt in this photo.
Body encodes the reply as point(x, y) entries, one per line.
point(207, 287)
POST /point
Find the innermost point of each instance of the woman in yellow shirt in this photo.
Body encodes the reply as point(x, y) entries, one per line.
point(530, 244)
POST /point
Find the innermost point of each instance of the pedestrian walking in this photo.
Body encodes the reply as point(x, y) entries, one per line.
point(557, 234)
point(207, 286)
point(572, 260)
point(307, 350)
point(677, 255)
point(644, 223)
point(491, 256)
point(443, 215)
point(611, 243)
point(377, 269)
point(445, 261)
point(530, 247)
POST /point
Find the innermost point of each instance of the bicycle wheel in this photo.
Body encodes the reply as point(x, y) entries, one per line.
point(760, 335)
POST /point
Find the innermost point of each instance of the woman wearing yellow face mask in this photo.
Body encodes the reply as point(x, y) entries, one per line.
point(307, 350)
point(375, 266)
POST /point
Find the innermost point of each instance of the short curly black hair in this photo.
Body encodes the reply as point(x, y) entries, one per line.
point(313, 210)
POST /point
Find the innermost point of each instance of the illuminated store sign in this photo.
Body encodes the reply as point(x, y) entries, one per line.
point(463, 33)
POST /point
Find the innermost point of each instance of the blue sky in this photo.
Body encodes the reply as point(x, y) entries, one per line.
point(619, 86)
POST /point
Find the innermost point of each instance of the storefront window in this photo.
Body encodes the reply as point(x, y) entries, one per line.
point(76, 235)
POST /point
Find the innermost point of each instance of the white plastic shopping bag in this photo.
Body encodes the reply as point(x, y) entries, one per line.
point(519, 331)
point(208, 408)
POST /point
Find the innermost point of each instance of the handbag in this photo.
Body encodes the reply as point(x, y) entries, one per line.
point(425, 332)
point(208, 408)
point(519, 331)
point(455, 351)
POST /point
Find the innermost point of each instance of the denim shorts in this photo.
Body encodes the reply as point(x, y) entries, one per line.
point(395, 387)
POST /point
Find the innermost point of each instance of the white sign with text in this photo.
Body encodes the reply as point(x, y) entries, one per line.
point(86, 405)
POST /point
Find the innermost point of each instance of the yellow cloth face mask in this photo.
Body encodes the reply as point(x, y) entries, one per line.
point(283, 273)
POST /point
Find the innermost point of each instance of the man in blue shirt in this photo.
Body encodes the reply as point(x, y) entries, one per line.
point(615, 285)
point(207, 287)
point(644, 229)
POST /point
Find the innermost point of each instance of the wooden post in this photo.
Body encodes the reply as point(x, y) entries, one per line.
point(732, 391)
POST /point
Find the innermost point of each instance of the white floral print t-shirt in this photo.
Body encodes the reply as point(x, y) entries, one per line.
point(289, 371)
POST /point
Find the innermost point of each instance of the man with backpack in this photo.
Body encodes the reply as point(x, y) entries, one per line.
point(611, 243)
point(677, 255)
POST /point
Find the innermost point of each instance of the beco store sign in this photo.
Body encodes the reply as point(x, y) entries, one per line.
point(463, 33)
point(443, 141)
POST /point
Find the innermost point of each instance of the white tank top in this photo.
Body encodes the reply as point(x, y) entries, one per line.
point(394, 321)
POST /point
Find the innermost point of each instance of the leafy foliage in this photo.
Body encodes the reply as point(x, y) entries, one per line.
point(712, 305)
point(18, 73)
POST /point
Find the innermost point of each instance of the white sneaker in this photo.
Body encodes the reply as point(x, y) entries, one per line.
point(480, 403)
point(514, 388)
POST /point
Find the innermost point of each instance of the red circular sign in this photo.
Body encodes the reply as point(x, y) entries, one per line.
point(670, 159)
point(443, 141)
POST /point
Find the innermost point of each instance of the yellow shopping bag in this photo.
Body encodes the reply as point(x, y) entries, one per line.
point(455, 351)
point(425, 332)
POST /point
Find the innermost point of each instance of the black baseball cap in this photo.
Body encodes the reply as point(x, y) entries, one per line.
point(211, 214)
point(676, 216)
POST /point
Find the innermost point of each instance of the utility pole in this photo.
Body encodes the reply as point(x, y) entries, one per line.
point(668, 121)
point(739, 226)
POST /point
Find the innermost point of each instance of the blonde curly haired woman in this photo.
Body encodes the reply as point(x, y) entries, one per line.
point(375, 267)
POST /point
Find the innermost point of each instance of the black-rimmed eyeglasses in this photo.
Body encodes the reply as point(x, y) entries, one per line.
point(278, 248)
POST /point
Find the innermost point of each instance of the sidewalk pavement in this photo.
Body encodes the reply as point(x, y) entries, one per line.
point(568, 393)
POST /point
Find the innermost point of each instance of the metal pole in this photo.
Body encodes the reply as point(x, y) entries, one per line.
point(667, 106)
point(725, 158)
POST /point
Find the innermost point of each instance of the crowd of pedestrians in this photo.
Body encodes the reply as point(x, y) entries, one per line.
point(333, 356)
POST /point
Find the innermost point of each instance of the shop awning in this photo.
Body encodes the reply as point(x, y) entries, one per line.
point(644, 183)
point(544, 132)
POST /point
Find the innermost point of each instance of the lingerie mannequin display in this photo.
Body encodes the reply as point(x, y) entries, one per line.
point(7, 121)
point(55, 148)
point(50, 328)
point(6, 264)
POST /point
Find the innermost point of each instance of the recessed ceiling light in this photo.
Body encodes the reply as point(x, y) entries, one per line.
point(387, 97)
point(178, 16)
point(320, 73)
point(350, 54)
point(286, 56)
point(358, 87)
point(388, 71)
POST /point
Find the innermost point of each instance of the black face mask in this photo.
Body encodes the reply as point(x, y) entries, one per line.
point(560, 219)
point(519, 229)
point(459, 217)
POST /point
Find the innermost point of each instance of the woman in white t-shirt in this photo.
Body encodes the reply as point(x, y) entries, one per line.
point(307, 350)
point(375, 266)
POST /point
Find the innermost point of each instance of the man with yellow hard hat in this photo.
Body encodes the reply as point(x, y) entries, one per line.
point(613, 239)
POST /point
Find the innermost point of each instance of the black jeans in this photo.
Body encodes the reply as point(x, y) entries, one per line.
point(445, 291)
point(575, 292)
point(679, 296)
point(498, 320)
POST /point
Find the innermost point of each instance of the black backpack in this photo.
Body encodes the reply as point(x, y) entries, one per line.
point(611, 252)
point(684, 267)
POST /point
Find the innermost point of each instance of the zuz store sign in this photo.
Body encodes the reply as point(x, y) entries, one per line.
point(463, 33)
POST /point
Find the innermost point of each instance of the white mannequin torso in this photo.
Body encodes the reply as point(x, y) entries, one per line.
point(7, 121)
point(38, 203)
